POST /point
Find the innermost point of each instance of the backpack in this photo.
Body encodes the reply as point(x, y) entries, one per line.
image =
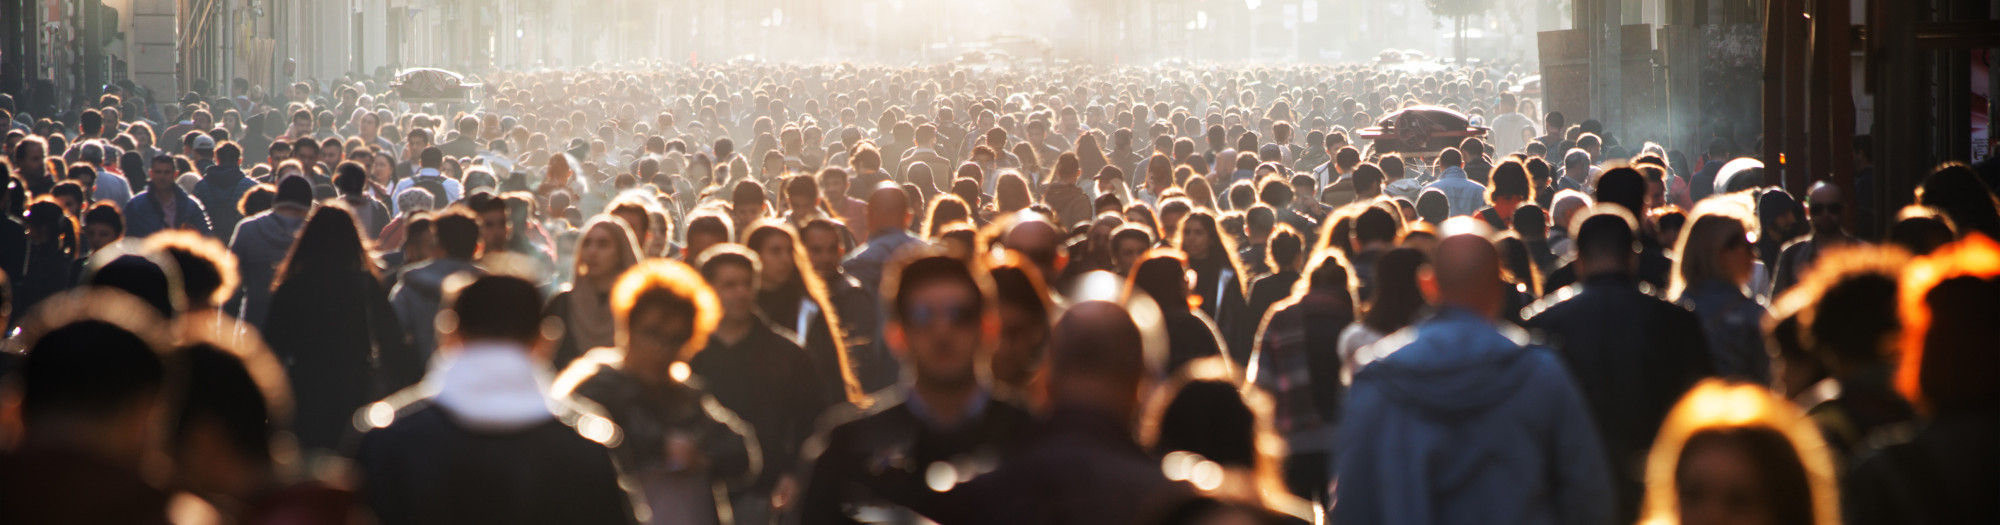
point(435, 185)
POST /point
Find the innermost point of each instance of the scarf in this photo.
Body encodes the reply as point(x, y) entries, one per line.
point(590, 321)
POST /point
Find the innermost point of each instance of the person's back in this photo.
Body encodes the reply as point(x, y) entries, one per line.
point(1445, 430)
point(221, 186)
point(1948, 471)
point(420, 290)
point(487, 444)
point(888, 215)
point(261, 243)
point(1463, 424)
point(433, 466)
point(1632, 354)
point(87, 395)
point(1464, 195)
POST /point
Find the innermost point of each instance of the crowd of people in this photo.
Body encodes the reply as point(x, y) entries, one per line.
point(759, 293)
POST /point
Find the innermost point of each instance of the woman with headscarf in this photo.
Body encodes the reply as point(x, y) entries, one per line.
point(1219, 281)
point(331, 323)
point(796, 299)
point(603, 252)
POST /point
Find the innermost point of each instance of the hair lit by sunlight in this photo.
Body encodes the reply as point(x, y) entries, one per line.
point(1715, 404)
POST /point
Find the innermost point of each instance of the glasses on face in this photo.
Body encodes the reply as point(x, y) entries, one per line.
point(1835, 208)
point(928, 314)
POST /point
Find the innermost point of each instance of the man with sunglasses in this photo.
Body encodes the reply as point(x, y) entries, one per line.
point(1825, 209)
point(941, 424)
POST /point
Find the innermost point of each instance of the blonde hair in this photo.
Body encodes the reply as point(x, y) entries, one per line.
point(1716, 405)
point(651, 279)
point(1709, 229)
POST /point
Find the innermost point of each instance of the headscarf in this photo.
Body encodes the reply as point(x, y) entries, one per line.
point(590, 319)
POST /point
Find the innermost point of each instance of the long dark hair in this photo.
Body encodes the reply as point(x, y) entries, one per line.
point(48, 215)
point(1161, 274)
point(330, 243)
point(1396, 299)
point(804, 284)
point(1221, 249)
point(1088, 150)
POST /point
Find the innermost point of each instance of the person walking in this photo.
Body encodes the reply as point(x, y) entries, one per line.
point(1462, 424)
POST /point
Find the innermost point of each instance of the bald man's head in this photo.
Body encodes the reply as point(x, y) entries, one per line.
point(1466, 273)
point(888, 207)
point(1096, 359)
point(1825, 204)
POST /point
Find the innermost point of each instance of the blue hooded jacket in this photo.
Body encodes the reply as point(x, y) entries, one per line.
point(1462, 424)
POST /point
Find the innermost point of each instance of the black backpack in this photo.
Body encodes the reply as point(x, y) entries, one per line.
point(435, 185)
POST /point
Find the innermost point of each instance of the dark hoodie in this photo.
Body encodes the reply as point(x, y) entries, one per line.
point(417, 297)
point(260, 244)
point(1462, 424)
point(1070, 203)
point(220, 188)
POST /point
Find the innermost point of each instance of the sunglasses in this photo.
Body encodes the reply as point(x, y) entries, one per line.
point(1830, 207)
point(926, 315)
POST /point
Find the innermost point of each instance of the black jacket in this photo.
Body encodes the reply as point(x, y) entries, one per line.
point(1632, 355)
point(772, 384)
point(343, 347)
point(843, 474)
point(426, 468)
point(1073, 467)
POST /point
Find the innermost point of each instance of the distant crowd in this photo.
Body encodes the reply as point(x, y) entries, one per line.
point(761, 293)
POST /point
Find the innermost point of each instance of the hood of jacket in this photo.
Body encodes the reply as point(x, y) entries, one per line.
point(269, 229)
point(1454, 362)
point(1065, 190)
point(428, 277)
point(223, 176)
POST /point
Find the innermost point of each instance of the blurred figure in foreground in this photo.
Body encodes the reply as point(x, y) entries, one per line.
point(483, 442)
point(1733, 453)
point(90, 390)
point(1502, 423)
point(1204, 416)
point(677, 442)
point(1950, 470)
point(1078, 463)
point(944, 418)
